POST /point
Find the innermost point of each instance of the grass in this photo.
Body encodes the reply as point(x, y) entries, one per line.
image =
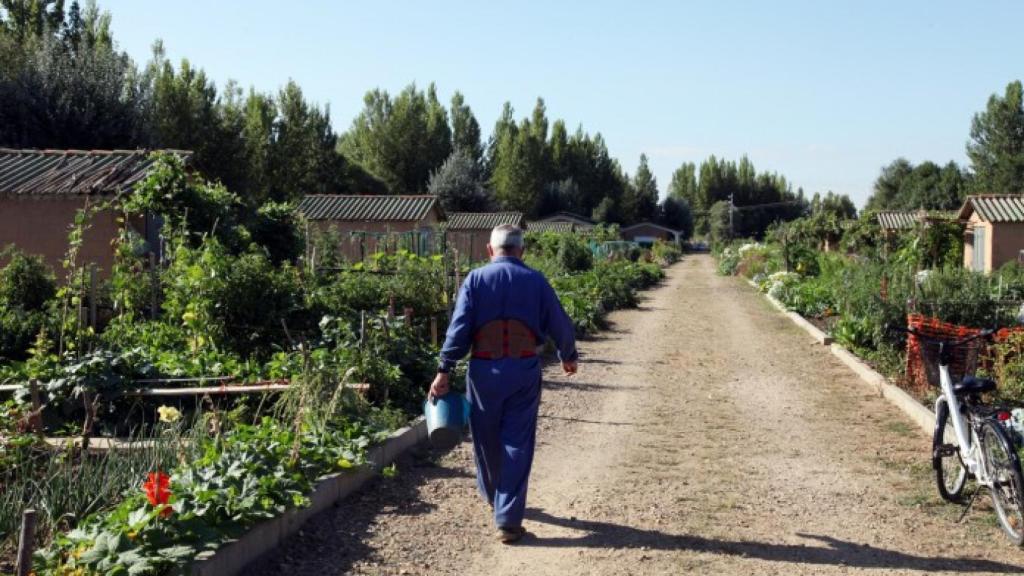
point(900, 428)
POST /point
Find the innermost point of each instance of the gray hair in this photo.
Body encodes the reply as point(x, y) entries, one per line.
point(506, 237)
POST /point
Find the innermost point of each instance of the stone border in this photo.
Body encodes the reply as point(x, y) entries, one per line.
point(919, 413)
point(814, 331)
point(233, 556)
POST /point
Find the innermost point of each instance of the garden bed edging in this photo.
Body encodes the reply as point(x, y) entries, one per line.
point(232, 557)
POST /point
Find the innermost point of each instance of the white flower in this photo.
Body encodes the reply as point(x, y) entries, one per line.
point(169, 414)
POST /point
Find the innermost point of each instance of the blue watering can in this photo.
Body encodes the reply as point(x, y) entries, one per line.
point(446, 417)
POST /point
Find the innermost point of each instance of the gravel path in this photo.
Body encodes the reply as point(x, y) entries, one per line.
point(704, 434)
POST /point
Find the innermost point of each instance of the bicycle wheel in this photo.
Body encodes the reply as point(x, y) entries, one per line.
point(1003, 467)
point(950, 473)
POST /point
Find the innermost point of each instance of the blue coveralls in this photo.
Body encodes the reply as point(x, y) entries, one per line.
point(505, 394)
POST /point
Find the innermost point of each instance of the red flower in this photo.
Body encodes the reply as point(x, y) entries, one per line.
point(158, 491)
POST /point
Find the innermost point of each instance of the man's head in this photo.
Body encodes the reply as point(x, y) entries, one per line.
point(506, 240)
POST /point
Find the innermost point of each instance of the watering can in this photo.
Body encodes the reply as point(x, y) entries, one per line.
point(446, 416)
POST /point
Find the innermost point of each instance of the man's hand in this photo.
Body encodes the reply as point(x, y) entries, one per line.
point(439, 387)
point(569, 367)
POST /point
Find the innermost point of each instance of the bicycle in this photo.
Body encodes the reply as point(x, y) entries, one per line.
point(972, 439)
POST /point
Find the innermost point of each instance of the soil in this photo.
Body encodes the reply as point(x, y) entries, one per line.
point(704, 434)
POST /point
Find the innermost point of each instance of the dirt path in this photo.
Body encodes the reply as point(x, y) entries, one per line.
point(704, 434)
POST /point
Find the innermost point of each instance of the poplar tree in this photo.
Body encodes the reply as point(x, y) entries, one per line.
point(996, 147)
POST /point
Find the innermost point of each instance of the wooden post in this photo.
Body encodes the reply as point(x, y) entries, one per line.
point(362, 327)
point(36, 418)
point(90, 418)
point(433, 331)
point(391, 308)
point(407, 314)
point(26, 543)
point(92, 296)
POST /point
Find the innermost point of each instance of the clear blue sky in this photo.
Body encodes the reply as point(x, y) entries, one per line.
point(824, 92)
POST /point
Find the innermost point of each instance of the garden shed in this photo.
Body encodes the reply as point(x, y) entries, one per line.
point(646, 233)
point(42, 190)
point(364, 224)
point(556, 227)
point(994, 230)
point(469, 232)
point(580, 223)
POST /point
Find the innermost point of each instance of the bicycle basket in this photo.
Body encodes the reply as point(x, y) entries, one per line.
point(963, 359)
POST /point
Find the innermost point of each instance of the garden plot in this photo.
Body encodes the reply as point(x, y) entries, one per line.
point(703, 434)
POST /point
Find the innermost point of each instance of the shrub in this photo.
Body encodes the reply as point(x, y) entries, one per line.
point(666, 253)
point(26, 287)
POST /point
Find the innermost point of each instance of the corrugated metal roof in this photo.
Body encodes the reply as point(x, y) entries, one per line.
point(483, 220)
point(897, 220)
point(557, 227)
point(650, 225)
point(355, 208)
point(994, 208)
point(49, 172)
point(566, 216)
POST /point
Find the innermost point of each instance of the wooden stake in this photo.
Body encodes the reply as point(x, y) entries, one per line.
point(407, 313)
point(36, 418)
point(26, 543)
point(90, 418)
point(433, 331)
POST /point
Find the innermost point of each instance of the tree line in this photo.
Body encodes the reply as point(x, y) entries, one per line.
point(995, 149)
point(64, 84)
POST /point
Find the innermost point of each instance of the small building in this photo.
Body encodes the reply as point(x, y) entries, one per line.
point(555, 227)
point(469, 232)
point(994, 230)
point(365, 224)
point(42, 190)
point(894, 221)
point(580, 223)
point(647, 233)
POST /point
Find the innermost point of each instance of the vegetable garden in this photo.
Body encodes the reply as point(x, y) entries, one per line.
point(872, 280)
point(233, 301)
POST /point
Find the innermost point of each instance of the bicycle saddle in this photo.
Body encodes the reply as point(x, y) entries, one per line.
point(974, 385)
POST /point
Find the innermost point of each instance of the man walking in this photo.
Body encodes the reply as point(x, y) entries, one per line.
point(504, 313)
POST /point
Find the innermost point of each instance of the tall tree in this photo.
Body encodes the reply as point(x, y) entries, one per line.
point(904, 186)
point(684, 183)
point(400, 141)
point(465, 129)
point(641, 199)
point(996, 148)
point(458, 184)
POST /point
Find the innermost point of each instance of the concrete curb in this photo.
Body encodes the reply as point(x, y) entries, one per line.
point(233, 556)
point(919, 413)
point(816, 333)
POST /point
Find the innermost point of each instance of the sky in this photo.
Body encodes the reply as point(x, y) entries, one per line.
point(823, 92)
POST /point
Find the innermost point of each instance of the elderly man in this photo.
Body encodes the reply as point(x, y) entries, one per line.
point(505, 312)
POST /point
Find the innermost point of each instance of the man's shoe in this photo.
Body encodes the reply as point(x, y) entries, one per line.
point(510, 534)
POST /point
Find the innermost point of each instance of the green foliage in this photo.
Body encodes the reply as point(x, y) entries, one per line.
point(760, 198)
point(666, 253)
point(640, 198)
point(996, 148)
point(253, 472)
point(400, 140)
point(903, 186)
point(459, 185)
point(27, 287)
